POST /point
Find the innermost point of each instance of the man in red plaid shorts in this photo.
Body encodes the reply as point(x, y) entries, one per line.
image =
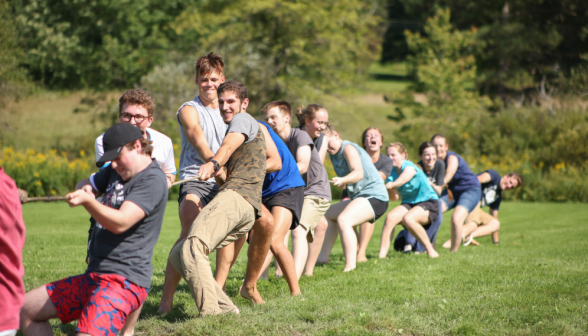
point(128, 224)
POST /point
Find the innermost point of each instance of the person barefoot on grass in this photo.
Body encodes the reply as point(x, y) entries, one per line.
point(283, 196)
point(317, 192)
point(480, 223)
point(313, 119)
point(435, 171)
point(232, 213)
point(367, 192)
point(128, 223)
point(420, 203)
point(463, 185)
point(202, 131)
point(373, 141)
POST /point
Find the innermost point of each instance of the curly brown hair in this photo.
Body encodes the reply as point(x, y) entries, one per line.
point(137, 97)
point(233, 86)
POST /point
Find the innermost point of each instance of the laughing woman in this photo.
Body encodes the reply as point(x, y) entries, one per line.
point(420, 203)
point(368, 197)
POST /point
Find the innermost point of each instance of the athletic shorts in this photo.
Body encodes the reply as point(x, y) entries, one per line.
point(378, 207)
point(100, 302)
point(432, 206)
point(468, 199)
point(205, 191)
point(313, 210)
point(292, 199)
point(480, 217)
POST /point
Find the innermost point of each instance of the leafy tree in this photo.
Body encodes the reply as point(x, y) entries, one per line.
point(286, 49)
point(96, 44)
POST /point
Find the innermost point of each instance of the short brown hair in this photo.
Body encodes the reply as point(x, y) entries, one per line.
point(399, 147)
point(517, 176)
point(146, 147)
point(438, 135)
point(308, 112)
point(424, 146)
point(365, 132)
point(282, 105)
point(209, 63)
point(137, 97)
point(233, 86)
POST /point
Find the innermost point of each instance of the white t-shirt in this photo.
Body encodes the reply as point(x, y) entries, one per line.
point(163, 150)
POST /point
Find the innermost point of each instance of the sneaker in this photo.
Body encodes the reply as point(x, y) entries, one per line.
point(467, 240)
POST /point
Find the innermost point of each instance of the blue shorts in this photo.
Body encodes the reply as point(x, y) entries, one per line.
point(468, 199)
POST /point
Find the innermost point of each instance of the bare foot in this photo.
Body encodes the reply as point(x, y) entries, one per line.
point(348, 269)
point(447, 244)
point(251, 294)
point(361, 259)
point(164, 309)
point(308, 274)
point(295, 294)
point(474, 242)
point(433, 254)
point(127, 332)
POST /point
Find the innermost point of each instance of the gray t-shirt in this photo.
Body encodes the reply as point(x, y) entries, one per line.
point(214, 129)
point(384, 164)
point(316, 178)
point(245, 124)
point(129, 254)
point(437, 174)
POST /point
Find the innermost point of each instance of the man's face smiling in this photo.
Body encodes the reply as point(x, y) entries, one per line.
point(230, 105)
point(373, 140)
point(130, 114)
point(208, 83)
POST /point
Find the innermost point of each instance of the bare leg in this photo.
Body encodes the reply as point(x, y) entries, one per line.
point(36, 313)
point(469, 228)
point(189, 210)
point(279, 272)
point(283, 221)
point(332, 230)
point(495, 237)
point(314, 248)
point(299, 249)
point(365, 234)
point(490, 228)
point(457, 219)
point(130, 323)
point(259, 244)
point(393, 218)
point(414, 221)
point(224, 262)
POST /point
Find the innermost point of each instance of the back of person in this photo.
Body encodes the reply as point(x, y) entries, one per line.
point(418, 189)
point(285, 178)
point(464, 178)
point(371, 185)
point(316, 178)
point(129, 254)
point(214, 129)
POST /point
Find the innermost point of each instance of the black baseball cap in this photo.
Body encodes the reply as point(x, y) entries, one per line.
point(115, 138)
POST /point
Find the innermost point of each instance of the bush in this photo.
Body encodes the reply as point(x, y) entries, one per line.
point(45, 174)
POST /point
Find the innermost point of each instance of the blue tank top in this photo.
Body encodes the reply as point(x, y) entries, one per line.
point(371, 186)
point(463, 179)
point(418, 189)
point(285, 178)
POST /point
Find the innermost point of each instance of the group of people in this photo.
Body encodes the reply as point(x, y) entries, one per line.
point(248, 181)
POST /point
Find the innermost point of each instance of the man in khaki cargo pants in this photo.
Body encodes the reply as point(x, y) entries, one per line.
point(233, 211)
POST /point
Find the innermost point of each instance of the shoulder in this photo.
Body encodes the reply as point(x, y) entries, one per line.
point(302, 137)
point(385, 159)
point(438, 164)
point(159, 138)
point(99, 140)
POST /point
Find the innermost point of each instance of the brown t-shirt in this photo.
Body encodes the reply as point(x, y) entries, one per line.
point(246, 167)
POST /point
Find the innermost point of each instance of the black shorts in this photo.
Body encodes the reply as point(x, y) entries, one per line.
point(431, 205)
point(205, 191)
point(291, 199)
point(379, 207)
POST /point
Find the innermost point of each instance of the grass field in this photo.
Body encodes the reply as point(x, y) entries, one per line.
point(533, 283)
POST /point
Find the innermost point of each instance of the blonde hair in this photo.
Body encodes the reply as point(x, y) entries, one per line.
point(399, 147)
point(308, 112)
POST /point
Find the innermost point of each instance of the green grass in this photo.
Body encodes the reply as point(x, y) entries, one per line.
point(533, 283)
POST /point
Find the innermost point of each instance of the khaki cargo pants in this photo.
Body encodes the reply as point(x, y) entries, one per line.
point(226, 218)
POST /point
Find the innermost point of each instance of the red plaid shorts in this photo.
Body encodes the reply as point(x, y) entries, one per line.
point(100, 302)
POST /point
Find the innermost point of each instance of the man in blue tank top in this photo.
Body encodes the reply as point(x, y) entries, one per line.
point(463, 185)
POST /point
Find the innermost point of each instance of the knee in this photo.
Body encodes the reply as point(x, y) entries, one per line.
point(344, 222)
point(407, 219)
point(175, 256)
point(497, 224)
point(265, 224)
point(299, 232)
point(322, 226)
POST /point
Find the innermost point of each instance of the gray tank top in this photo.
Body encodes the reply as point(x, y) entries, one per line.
point(214, 129)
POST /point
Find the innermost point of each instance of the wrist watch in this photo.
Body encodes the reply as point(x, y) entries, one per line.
point(216, 165)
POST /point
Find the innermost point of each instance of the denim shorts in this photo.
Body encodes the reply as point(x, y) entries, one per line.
point(468, 199)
